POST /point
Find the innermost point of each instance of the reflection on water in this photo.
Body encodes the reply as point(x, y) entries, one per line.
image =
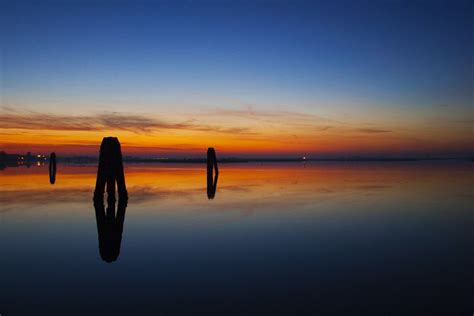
point(211, 184)
point(325, 238)
point(110, 227)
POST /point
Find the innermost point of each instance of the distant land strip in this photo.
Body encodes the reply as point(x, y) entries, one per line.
point(12, 160)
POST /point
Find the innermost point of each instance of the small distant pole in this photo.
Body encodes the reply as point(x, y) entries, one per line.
point(211, 159)
point(52, 168)
point(211, 179)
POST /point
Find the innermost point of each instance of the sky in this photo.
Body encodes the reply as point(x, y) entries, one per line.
point(250, 78)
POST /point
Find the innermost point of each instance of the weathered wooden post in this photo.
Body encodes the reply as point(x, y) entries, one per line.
point(110, 170)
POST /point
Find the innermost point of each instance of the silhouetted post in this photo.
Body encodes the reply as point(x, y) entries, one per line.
point(52, 168)
point(211, 159)
point(109, 224)
point(211, 166)
point(110, 170)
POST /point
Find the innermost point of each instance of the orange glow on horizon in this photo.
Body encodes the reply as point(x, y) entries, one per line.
point(234, 134)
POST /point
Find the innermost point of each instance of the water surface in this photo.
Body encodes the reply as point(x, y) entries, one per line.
point(314, 238)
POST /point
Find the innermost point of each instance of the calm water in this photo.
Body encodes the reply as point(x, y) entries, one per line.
point(309, 239)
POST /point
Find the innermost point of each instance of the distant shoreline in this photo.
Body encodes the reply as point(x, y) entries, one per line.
point(17, 160)
point(250, 160)
point(94, 161)
point(87, 160)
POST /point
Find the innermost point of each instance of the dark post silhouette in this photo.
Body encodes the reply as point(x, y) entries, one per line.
point(110, 170)
point(109, 224)
point(211, 166)
point(52, 168)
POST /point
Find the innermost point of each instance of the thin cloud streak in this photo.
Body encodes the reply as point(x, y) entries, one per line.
point(254, 114)
point(12, 119)
point(372, 130)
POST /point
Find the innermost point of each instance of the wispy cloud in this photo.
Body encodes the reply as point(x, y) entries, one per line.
point(250, 113)
point(440, 121)
point(137, 123)
point(372, 130)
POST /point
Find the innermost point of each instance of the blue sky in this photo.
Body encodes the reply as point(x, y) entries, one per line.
point(393, 51)
point(308, 57)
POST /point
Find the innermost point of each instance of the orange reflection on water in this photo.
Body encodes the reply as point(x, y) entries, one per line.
point(270, 186)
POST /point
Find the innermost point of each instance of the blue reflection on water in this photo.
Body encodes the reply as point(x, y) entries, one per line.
point(397, 246)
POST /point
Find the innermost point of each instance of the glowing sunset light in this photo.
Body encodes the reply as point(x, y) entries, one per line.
point(273, 83)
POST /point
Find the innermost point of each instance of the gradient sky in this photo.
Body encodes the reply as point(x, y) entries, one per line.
point(251, 79)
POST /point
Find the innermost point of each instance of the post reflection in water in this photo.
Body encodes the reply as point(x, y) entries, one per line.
point(109, 223)
point(52, 168)
point(211, 180)
point(110, 227)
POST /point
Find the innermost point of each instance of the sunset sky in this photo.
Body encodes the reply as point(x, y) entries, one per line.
point(266, 79)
